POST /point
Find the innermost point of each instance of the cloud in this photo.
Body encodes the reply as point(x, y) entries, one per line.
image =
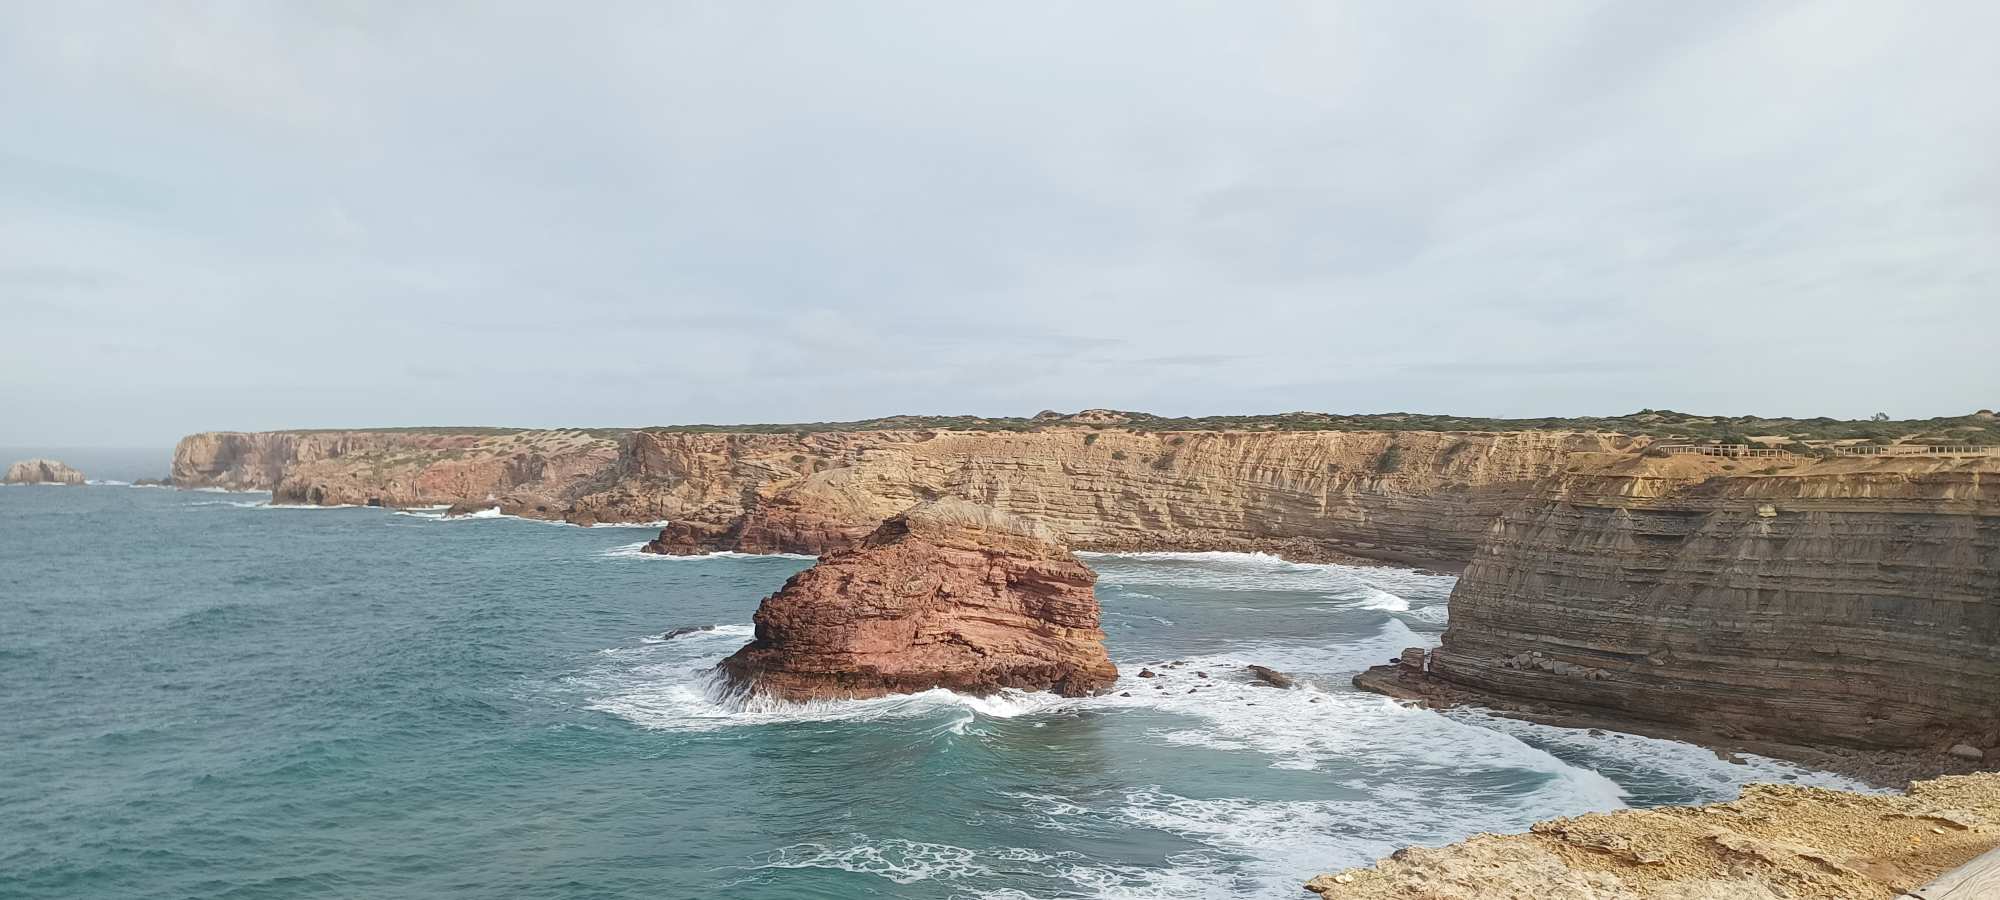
point(254, 215)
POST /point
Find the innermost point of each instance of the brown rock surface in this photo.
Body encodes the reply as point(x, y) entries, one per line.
point(947, 594)
point(530, 473)
point(41, 471)
point(1776, 841)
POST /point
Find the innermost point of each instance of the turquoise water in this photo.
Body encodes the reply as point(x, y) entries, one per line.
point(208, 697)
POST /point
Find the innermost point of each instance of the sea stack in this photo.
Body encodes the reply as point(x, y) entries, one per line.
point(42, 471)
point(948, 594)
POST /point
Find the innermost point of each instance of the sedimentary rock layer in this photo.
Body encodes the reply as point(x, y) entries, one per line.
point(949, 595)
point(41, 471)
point(1777, 841)
point(1854, 602)
point(1421, 497)
point(534, 473)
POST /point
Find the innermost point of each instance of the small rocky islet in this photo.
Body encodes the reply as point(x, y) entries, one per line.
point(42, 471)
point(947, 594)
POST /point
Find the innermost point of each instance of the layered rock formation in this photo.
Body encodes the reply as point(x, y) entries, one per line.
point(533, 473)
point(1418, 497)
point(1852, 601)
point(1777, 841)
point(948, 594)
point(42, 471)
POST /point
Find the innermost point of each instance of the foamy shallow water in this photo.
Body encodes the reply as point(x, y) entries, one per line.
point(315, 705)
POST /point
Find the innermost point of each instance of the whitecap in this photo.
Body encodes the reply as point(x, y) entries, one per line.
point(1687, 767)
point(906, 861)
point(1379, 599)
point(1217, 570)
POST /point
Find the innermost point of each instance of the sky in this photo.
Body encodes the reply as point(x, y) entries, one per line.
point(266, 215)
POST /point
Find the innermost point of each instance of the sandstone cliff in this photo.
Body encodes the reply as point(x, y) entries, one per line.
point(41, 471)
point(534, 473)
point(1851, 601)
point(1775, 842)
point(1412, 496)
point(947, 594)
point(1419, 497)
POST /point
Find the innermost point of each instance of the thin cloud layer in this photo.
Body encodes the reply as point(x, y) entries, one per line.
point(263, 215)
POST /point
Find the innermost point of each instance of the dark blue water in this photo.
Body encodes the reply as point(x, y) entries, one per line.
point(205, 697)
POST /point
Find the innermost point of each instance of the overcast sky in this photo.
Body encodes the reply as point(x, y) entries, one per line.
point(263, 215)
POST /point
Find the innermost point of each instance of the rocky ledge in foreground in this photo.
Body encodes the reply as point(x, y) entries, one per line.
point(1777, 841)
point(948, 594)
point(42, 471)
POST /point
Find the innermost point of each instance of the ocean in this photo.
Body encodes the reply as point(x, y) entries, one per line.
point(202, 695)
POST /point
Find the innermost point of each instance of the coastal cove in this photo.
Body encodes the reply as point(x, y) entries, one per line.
point(217, 696)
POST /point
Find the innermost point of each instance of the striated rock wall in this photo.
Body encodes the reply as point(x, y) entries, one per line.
point(1418, 497)
point(1777, 841)
point(1853, 602)
point(949, 594)
point(536, 473)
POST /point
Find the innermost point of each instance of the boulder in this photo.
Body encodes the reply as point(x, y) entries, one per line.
point(948, 594)
point(1270, 676)
point(1967, 751)
point(1412, 659)
point(680, 538)
point(42, 471)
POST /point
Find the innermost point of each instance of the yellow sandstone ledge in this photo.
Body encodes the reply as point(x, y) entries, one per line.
point(1777, 841)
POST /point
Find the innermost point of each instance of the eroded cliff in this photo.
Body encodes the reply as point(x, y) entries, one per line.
point(532, 473)
point(1851, 601)
point(1411, 496)
point(1420, 497)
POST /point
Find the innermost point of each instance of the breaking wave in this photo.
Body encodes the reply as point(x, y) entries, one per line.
point(635, 550)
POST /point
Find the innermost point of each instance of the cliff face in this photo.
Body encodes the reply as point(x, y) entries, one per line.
point(1777, 841)
point(948, 594)
point(41, 471)
point(1854, 602)
point(530, 473)
point(1421, 497)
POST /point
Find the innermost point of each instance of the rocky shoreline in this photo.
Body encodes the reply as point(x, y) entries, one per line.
point(1776, 841)
point(1880, 768)
point(1840, 601)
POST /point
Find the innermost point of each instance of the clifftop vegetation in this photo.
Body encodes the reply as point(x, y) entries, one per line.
point(1981, 428)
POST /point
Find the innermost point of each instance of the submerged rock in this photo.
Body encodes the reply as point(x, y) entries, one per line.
point(949, 594)
point(686, 630)
point(42, 471)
